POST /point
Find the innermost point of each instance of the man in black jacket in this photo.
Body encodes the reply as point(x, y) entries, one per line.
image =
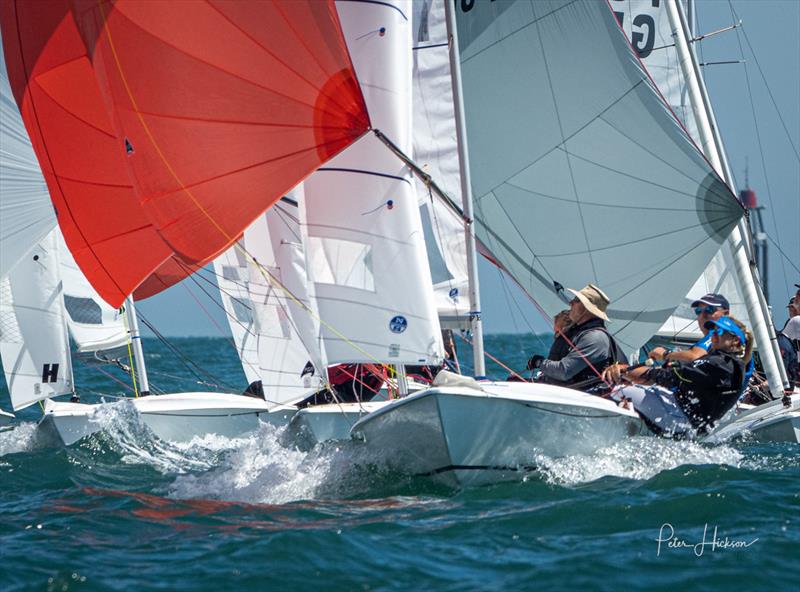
point(694, 394)
point(589, 348)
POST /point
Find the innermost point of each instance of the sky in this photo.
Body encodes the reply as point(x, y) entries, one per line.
point(757, 105)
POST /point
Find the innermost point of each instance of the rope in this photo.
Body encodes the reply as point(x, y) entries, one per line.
point(130, 353)
point(496, 361)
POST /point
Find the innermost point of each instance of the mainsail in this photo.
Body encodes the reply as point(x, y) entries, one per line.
point(580, 171)
point(364, 238)
point(165, 128)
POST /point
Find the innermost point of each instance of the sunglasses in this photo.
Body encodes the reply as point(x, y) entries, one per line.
point(709, 310)
point(721, 332)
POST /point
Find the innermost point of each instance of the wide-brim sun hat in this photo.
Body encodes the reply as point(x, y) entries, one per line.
point(593, 299)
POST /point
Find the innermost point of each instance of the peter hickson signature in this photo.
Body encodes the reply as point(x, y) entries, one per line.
point(666, 534)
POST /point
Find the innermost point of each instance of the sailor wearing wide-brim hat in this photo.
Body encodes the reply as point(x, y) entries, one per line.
point(591, 347)
point(594, 300)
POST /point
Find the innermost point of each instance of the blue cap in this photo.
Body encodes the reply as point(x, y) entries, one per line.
point(726, 324)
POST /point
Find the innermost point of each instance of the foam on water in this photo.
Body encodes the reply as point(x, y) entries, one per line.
point(21, 438)
point(259, 470)
point(121, 430)
point(637, 458)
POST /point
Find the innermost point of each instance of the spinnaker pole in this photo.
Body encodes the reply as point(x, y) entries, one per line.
point(711, 142)
point(476, 324)
point(136, 344)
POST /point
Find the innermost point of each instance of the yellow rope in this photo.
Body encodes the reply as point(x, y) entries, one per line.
point(130, 352)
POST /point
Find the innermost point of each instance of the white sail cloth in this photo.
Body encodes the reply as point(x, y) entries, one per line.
point(580, 171)
point(436, 151)
point(286, 319)
point(648, 28)
point(270, 305)
point(97, 329)
point(365, 243)
point(33, 336)
point(26, 214)
point(232, 275)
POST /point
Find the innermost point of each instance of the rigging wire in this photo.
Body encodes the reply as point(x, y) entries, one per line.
point(758, 133)
point(185, 360)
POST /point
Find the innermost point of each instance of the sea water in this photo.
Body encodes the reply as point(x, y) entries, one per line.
point(122, 510)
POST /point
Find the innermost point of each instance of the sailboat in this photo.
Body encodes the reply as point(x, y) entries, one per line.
point(362, 229)
point(129, 142)
point(661, 35)
point(581, 173)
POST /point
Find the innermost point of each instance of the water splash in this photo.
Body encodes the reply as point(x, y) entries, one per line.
point(22, 437)
point(259, 470)
point(638, 458)
point(121, 430)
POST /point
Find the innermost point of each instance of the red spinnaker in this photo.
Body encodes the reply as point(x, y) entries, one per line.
point(104, 225)
point(211, 112)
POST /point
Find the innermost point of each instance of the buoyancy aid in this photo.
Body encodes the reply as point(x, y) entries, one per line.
point(574, 334)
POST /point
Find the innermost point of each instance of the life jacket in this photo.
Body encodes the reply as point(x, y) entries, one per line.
point(585, 376)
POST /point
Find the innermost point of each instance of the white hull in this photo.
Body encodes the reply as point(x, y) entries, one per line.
point(322, 423)
point(464, 436)
point(175, 417)
point(771, 422)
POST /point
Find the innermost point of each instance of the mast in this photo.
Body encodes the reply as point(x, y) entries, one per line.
point(136, 343)
point(711, 142)
point(476, 324)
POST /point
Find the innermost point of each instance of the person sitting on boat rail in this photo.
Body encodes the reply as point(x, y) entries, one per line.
point(689, 396)
point(708, 308)
point(590, 347)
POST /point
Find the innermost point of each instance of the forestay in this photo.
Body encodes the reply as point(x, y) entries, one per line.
point(33, 336)
point(580, 171)
point(26, 214)
point(365, 242)
point(436, 151)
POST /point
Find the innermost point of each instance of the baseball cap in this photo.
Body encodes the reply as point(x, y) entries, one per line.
point(713, 300)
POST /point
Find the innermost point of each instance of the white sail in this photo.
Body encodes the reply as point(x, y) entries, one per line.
point(33, 335)
point(365, 244)
point(98, 329)
point(290, 360)
point(648, 28)
point(232, 278)
point(436, 151)
point(26, 214)
point(580, 171)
